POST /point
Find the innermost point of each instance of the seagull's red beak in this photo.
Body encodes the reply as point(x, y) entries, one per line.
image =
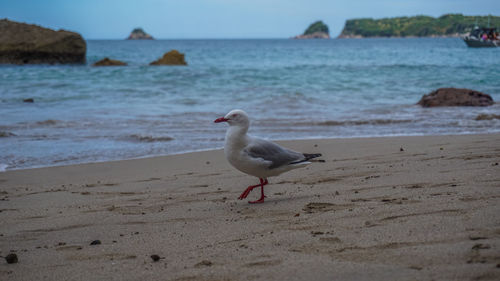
point(222, 119)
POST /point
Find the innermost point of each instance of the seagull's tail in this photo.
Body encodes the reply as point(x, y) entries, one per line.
point(308, 157)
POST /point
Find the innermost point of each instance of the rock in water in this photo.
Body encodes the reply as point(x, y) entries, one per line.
point(171, 58)
point(139, 34)
point(109, 62)
point(22, 43)
point(317, 30)
point(487, 117)
point(455, 97)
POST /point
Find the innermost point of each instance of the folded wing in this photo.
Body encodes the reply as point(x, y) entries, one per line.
point(277, 155)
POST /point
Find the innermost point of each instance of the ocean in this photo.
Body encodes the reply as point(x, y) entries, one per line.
point(292, 89)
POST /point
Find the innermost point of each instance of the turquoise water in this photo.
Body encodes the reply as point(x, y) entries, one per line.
point(292, 89)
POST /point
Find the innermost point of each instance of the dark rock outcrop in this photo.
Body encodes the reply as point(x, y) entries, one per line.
point(109, 62)
point(22, 43)
point(139, 34)
point(315, 35)
point(171, 58)
point(455, 97)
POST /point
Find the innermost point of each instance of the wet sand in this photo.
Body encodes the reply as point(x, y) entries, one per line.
point(397, 208)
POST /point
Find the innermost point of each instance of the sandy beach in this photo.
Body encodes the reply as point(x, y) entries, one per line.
point(392, 208)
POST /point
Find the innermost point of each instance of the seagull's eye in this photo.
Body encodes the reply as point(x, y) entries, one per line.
point(234, 116)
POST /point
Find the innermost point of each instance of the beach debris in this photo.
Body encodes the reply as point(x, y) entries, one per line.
point(172, 57)
point(11, 258)
point(487, 117)
point(477, 237)
point(297, 215)
point(455, 97)
point(109, 62)
point(155, 258)
point(29, 100)
point(203, 263)
point(330, 239)
point(95, 242)
point(416, 267)
point(22, 43)
point(481, 246)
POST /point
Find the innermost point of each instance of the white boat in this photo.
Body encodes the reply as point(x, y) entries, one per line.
point(482, 37)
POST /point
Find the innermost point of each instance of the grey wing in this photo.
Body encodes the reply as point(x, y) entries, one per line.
point(269, 151)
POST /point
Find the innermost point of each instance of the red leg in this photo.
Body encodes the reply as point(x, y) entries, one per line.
point(262, 196)
point(245, 193)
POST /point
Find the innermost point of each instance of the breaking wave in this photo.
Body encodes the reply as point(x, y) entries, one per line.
point(356, 122)
point(141, 138)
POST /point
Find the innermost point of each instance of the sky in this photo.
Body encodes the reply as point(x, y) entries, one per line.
point(183, 19)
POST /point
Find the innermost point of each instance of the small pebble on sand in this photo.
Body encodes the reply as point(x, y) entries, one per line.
point(11, 258)
point(155, 258)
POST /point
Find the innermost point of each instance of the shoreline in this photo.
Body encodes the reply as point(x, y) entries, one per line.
point(221, 148)
point(406, 208)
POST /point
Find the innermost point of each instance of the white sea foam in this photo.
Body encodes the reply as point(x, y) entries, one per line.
point(3, 167)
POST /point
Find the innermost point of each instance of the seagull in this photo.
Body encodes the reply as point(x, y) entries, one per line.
point(257, 157)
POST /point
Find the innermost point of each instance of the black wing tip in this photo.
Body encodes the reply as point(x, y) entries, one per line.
point(309, 156)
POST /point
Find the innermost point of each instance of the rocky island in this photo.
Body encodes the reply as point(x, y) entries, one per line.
point(139, 34)
point(449, 25)
point(22, 43)
point(317, 30)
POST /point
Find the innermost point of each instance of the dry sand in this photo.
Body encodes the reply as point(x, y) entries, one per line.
point(370, 212)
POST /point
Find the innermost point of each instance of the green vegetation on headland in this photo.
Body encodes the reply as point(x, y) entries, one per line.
point(417, 26)
point(318, 26)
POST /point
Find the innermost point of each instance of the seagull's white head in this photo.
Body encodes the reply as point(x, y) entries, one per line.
point(235, 117)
